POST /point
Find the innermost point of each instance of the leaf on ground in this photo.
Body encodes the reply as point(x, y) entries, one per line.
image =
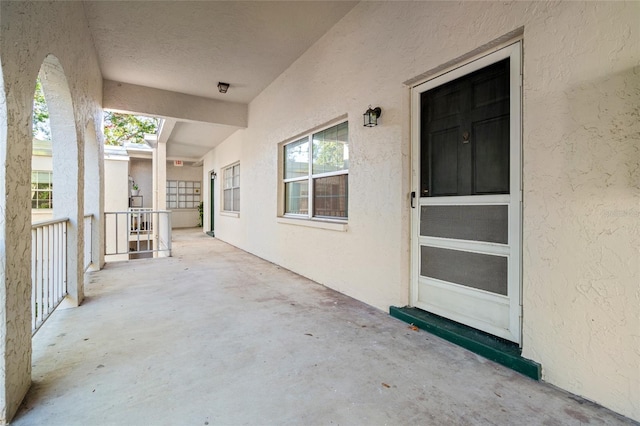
point(308, 334)
point(385, 385)
point(413, 327)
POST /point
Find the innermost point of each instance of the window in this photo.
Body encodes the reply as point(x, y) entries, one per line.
point(231, 188)
point(316, 172)
point(183, 194)
point(41, 189)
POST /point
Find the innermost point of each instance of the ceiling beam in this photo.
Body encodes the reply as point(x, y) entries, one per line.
point(164, 133)
point(134, 99)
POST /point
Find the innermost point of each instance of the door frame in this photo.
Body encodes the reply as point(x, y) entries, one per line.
point(513, 51)
point(212, 178)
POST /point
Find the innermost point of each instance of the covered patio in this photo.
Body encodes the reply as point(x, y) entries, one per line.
point(214, 335)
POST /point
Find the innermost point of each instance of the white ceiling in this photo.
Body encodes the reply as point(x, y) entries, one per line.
point(189, 139)
point(187, 47)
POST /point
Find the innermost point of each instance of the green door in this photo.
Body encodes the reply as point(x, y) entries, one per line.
point(212, 180)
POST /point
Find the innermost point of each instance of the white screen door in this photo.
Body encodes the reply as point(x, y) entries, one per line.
point(466, 213)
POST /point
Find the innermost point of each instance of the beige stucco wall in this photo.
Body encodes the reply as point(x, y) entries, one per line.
point(140, 171)
point(116, 199)
point(229, 227)
point(581, 291)
point(30, 32)
point(116, 194)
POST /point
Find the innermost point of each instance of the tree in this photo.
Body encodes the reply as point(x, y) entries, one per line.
point(330, 156)
point(41, 127)
point(120, 128)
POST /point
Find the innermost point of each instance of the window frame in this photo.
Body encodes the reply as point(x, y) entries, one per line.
point(312, 177)
point(35, 190)
point(190, 188)
point(235, 210)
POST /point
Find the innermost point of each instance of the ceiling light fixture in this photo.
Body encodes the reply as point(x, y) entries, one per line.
point(223, 87)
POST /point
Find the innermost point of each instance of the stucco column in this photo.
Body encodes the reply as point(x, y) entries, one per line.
point(68, 173)
point(15, 251)
point(159, 167)
point(93, 200)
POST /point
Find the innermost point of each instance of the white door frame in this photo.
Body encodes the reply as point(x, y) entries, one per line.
point(511, 305)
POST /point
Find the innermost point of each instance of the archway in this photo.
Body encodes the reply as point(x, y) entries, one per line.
point(68, 171)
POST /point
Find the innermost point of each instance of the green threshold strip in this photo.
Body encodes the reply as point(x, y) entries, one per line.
point(491, 347)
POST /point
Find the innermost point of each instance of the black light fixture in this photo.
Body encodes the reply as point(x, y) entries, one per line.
point(371, 116)
point(223, 87)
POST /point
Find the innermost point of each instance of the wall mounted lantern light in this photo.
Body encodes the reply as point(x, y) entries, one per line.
point(371, 116)
point(223, 87)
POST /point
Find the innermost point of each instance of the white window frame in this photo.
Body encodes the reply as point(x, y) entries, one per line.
point(233, 188)
point(183, 194)
point(310, 177)
point(38, 191)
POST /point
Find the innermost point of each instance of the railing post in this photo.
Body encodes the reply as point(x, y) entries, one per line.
point(48, 269)
point(88, 239)
point(149, 231)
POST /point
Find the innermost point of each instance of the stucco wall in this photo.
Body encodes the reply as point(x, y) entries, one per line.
point(581, 170)
point(228, 226)
point(116, 194)
point(140, 171)
point(30, 32)
point(116, 199)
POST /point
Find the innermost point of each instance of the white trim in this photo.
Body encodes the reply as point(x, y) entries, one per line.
point(496, 307)
point(318, 128)
point(229, 213)
point(232, 188)
point(513, 251)
point(329, 174)
point(482, 294)
point(314, 223)
point(480, 247)
point(485, 200)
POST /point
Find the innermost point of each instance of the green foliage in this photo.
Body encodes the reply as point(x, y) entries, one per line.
point(41, 127)
point(201, 213)
point(329, 155)
point(120, 128)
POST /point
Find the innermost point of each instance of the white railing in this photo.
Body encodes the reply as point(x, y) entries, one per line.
point(137, 231)
point(48, 269)
point(88, 241)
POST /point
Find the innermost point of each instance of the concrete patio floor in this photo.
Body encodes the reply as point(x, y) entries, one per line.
point(216, 336)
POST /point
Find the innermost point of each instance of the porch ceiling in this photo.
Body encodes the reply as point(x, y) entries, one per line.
point(187, 47)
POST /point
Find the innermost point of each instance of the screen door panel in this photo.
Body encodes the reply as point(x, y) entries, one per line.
point(475, 223)
point(480, 271)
